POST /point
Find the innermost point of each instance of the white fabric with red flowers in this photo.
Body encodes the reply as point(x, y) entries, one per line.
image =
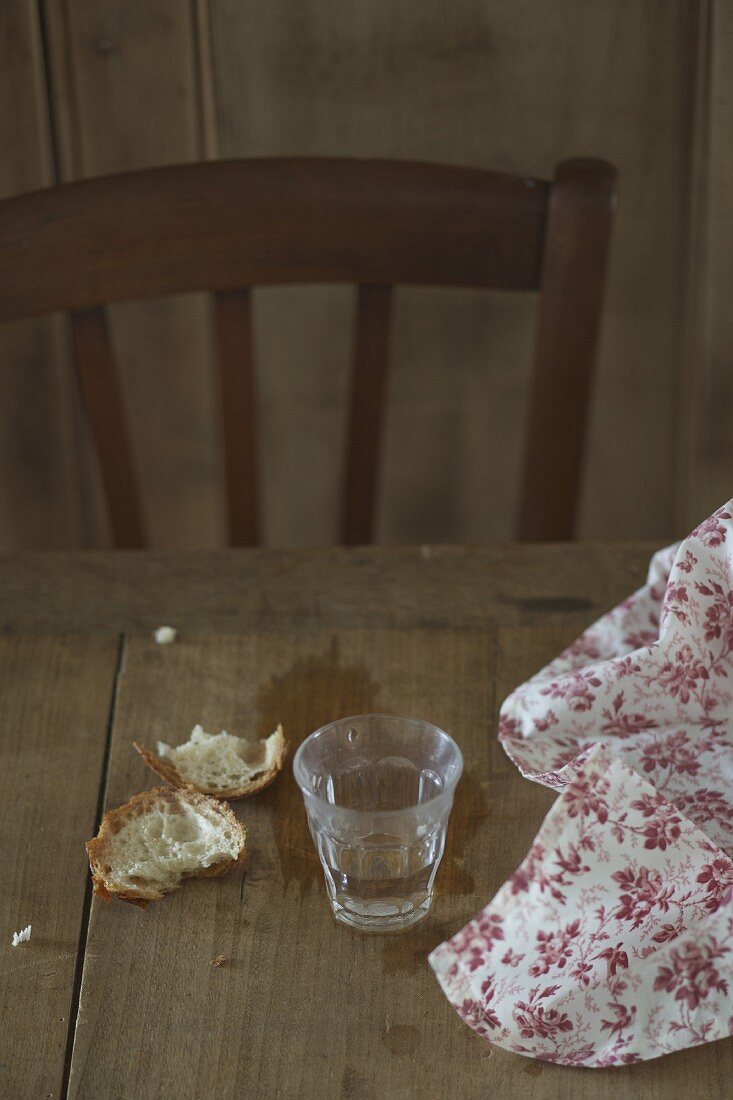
point(613, 942)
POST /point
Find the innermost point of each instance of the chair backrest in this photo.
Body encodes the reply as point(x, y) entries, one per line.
point(228, 226)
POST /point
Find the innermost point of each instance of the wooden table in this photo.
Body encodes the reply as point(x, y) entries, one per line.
point(111, 1001)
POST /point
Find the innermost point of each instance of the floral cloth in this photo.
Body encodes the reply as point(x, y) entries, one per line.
point(613, 941)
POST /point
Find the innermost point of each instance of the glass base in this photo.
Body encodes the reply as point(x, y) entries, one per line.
point(380, 917)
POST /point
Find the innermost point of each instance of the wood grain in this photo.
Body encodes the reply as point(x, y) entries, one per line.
point(694, 291)
point(238, 402)
point(301, 1007)
point(367, 413)
point(714, 385)
point(39, 489)
point(512, 87)
point(230, 591)
point(128, 89)
point(105, 408)
point(577, 241)
point(56, 695)
point(496, 85)
point(230, 225)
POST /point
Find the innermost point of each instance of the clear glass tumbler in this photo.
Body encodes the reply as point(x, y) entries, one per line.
point(378, 792)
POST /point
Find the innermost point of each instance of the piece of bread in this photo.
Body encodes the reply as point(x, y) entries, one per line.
point(219, 764)
point(146, 848)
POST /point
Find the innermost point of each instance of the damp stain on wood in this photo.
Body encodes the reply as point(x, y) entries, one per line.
point(401, 1039)
point(316, 689)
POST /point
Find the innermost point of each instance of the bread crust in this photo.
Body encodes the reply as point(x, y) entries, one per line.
point(114, 820)
point(167, 770)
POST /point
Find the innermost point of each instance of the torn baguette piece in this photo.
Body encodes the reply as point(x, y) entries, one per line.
point(147, 847)
point(219, 764)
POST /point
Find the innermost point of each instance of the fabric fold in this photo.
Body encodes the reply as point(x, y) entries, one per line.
point(613, 941)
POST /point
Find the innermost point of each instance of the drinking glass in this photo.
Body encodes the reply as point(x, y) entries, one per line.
point(378, 792)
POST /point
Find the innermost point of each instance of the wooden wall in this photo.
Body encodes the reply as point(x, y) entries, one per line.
point(713, 442)
point(95, 86)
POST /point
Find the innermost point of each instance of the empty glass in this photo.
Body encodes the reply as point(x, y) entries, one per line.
point(378, 791)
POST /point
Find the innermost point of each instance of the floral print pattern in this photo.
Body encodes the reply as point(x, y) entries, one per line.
point(613, 941)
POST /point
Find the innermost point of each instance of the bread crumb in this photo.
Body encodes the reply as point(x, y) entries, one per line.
point(22, 937)
point(164, 635)
point(218, 961)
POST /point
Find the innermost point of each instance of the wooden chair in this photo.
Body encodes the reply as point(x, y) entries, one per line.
point(228, 226)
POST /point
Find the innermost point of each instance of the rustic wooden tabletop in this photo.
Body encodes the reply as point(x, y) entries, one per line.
point(112, 1001)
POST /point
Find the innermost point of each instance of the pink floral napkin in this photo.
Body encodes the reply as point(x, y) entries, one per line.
point(613, 941)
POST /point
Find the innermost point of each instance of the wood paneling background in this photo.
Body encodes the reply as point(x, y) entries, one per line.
point(713, 463)
point(128, 81)
point(40, 468)
point(94, 86)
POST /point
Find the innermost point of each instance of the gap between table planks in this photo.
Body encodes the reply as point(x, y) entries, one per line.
point(56, 697)
point(301, 1007)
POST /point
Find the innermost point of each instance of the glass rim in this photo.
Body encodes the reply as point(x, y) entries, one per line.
point(298, 769)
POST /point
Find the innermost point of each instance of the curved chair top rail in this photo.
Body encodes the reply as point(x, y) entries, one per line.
point(227, 224)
